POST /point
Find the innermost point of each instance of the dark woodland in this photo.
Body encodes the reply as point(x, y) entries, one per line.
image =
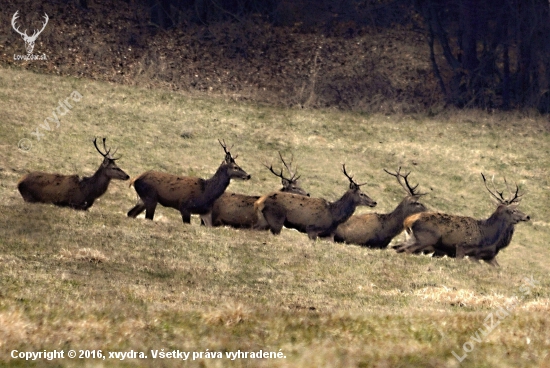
point(364, 55)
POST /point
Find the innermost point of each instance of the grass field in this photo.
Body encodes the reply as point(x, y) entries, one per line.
point(98, 280)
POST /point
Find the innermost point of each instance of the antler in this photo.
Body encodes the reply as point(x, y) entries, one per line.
point(352, 184)
point(228, 157)
point(293, 177)
point(280, 175)
point(500, 198)
point(107, 151)
point(410, 190)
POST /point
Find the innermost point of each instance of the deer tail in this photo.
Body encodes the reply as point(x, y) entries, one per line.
point(132, 181)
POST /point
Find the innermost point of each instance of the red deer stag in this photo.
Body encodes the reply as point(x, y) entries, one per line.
point(377, 230)
point(70, 190)
point(237, 210)
point(457, 236)
point(189, 195)
point(314, 216)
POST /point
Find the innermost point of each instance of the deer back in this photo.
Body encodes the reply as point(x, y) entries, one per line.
point(50, 188)
point(360, 229)
point(236, 210)
point(299, 211)
point(377, 230)
point(451, 229)
point(170, 190)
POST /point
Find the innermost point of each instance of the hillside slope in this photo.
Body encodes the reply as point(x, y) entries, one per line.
point(100, 280)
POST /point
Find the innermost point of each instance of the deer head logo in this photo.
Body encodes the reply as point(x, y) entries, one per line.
point(29, 40)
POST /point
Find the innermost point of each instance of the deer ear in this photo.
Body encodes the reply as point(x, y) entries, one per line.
point(105, 162)
point(285, 182)
point(228, 158)
point(501, 208)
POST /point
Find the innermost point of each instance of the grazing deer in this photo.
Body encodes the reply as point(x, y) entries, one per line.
point(237, 210)
point(377, 230)
point(314, 216)
point(184, 193)
point(70, 190)
point(457, 236)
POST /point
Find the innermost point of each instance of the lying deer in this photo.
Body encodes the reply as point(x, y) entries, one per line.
point(237, 210)
point(457, 236)
point(70, 190)
point(184, 193)
point(314, 216)
point(377, 230)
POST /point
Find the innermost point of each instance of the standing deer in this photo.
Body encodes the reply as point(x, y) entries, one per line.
point(377, 230)
point(457, 236)
point(70, 190)
point(184, 193)
point(237, 210)
point(314, 216)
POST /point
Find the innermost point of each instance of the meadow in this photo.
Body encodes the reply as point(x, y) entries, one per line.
point(98, 280)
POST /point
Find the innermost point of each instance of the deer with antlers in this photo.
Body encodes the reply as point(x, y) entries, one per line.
point(458, 236)
point(237, 210)
point(377, 230)
point(70, 190)
point(29, 40)
point(315, 216)
point(189, 195)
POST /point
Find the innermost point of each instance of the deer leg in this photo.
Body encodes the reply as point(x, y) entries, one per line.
point(422, 241)
point(493, 262)
point(438, 254)
point(275, 218)
point(185, 216)
point(137, 209)
point(206, 219)
point(260, 222)
point(312, 234)
point(460, 252)
point(88, 204)
point(150, 210)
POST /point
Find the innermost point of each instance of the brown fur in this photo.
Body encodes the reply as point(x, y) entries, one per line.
point(377, 230)
point(184, 193)
point(314, 216)
point(459, 236)
point(237, 210)
point(70, 190)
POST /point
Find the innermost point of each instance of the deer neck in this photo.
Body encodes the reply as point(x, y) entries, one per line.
point(216, 185)
point(394, 220)
point(95, 185)
point(497, 231)
point(343, 208)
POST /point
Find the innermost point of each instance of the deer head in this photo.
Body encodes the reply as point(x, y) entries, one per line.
point(354, 188)
point(507, 208)
point(109, 166)
point(289, 184)
point(234, 170)
point(411, 201)
point(29, 40)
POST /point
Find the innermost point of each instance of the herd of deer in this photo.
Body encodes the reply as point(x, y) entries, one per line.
point(292, 207)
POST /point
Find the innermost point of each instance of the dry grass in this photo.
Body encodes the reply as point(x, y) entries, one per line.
point(99, 280)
